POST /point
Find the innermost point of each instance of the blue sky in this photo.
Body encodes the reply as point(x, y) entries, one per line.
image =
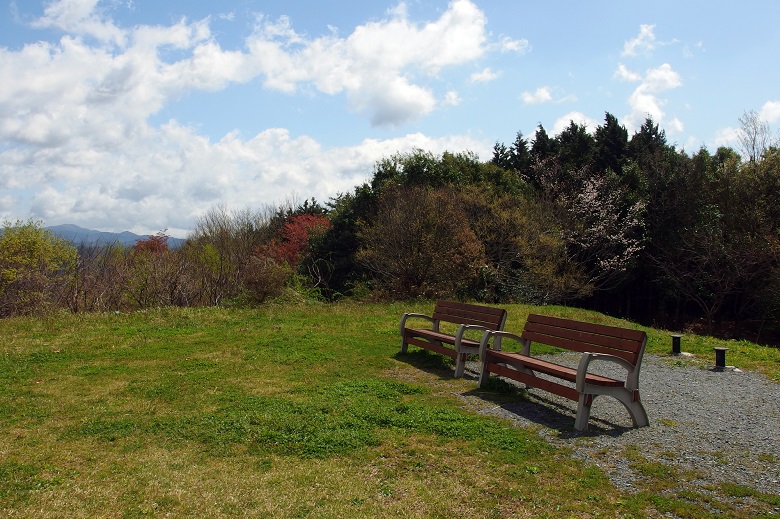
point(143, 115)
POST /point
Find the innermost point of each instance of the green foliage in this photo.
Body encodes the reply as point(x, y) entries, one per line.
point(526, 257)
point(575, 146)
point(543, 147)
point(332, 255)
point(36, 268)
point(611, 145)
point(420, 168)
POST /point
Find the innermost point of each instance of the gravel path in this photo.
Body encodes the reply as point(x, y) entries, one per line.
point(724, 426)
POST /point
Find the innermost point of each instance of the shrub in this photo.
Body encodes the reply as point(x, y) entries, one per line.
point(36, 268)
point(420, 244)
point(264, 278)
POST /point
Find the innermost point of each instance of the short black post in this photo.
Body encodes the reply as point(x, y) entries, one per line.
point(676, 344)
point(720, 358)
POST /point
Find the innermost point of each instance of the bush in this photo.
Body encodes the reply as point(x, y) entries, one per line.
point(36, 269)
point(420, 244)
point(263, 278)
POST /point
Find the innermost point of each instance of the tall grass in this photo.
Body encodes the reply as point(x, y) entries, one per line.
point(297, 410)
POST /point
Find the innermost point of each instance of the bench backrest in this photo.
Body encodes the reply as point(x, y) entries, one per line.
point(582, 337)
point(464, 313)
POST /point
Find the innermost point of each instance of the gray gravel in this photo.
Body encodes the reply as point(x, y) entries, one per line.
point(716, 426)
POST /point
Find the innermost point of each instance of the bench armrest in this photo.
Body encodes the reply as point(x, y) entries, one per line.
point(434, 322)
point(463, 328)
point(587, 357)
point(500, 334)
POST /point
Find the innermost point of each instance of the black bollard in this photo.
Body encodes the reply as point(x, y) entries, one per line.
point(676, 344)
point(720, 358)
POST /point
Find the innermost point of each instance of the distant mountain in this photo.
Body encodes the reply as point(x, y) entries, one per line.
point(79, 235)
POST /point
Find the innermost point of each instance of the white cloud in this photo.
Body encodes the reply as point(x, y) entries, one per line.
point(727, 137)
point(675, 126)
point(623, 74)
point(578, 117)
point(484, 76)
point(54, 91)
point(645, 100)
point(542, 95)
point(76, 113)
point(80, 17)
point(508, 44)
point(374, 64)
point(770, 112)
point(545, 95)
point(173, 175)
point(384, 67)
point(644, 42)
point(451, 98)
point(661, 78)
point(399, 102)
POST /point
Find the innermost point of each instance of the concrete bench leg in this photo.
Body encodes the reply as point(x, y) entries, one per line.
point(637, 411)
point(634, 407)
point(460, 364)
point(583, 412)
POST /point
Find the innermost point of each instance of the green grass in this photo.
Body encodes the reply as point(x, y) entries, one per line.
point(297, 410)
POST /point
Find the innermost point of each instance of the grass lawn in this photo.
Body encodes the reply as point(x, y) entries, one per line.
point(294, 410)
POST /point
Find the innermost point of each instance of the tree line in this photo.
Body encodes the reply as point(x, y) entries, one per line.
point(628, 225)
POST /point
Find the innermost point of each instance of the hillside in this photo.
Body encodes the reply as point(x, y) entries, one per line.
point(79, 235)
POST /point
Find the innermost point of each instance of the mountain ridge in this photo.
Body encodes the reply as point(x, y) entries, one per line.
point(80, 235)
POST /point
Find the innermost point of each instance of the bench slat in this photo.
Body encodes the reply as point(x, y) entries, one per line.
point(599, 339)
point(438, 336)
point(551, 368)
point(464, 313)
point(546, 385)
point(574, 345)
point(600, 329)
point(431, 346)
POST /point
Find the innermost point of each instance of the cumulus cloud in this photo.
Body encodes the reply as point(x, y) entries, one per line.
point(645, 100)
point(81, 17)
point(451, 98)
point(484, 76)
point(386, 68)
point(770, 112)
point(675, 126)
point(623, 74)
point(373, 64)
point(542, 95)
point(728, 137)
point(644, 42)
point(168, 177)
point(77, 113)
point(578, 117)
point(507, 44)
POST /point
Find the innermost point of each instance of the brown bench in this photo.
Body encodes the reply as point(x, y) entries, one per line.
point(467, 317)
point(596, 342)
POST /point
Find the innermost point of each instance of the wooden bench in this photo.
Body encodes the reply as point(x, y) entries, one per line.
point(467, 317)
point(596, 342)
